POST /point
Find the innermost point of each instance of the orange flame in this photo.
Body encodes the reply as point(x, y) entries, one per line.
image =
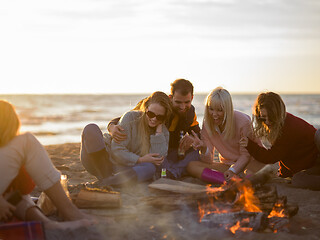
point(248, 199)
point(214, 190)
point(209, 209)
point(277, 211)
point(234, 228)
point(237, 227)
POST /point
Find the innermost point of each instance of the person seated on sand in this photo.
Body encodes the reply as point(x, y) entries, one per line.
point(295, 144)
point(183, 119)
point(23, 163)
point(136, 157)
point(221, 130)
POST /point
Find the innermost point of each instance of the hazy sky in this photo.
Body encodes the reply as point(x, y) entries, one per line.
point(126, 46)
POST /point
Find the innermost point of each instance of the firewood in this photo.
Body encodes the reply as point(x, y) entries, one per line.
point(97, 199)
point(255, 220)
point(291, 210)
point(266, 207)
point(278, 223)
point(169, 202)
point(169, 185)
point(266, 192)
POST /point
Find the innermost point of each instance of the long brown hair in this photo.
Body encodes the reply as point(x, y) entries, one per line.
point(220, 97)
point(144, 129)
point(276, 110)
point(9, 122)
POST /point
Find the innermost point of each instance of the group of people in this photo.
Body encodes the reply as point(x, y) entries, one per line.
point(162, 135)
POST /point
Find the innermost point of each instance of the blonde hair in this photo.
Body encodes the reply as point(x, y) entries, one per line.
point(144, 129)
point(220, 98)
point(9, 122)
point(276, 110)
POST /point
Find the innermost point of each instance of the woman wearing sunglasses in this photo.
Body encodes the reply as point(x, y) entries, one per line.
point(222, 128)
point(137, 156)
point(295, 144)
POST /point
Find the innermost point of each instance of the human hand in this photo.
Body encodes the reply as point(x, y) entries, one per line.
point(117, 133)
point(159, 129)
point(197, 142)
point(154, 158)
point(228, 175)
point(186, 142)
point(6, 209)
point(243, 141)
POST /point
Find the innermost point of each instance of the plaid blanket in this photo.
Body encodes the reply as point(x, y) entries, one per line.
point(22, 231)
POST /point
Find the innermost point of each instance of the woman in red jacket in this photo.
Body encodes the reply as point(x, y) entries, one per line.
point(295, 144)
point(23, 163)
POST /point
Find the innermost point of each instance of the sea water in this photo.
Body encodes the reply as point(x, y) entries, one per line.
point(57, 119)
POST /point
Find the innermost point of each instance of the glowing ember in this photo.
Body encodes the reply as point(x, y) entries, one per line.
point(238, 227)
point(211, 190)
point(235, 206)
point(276, 212)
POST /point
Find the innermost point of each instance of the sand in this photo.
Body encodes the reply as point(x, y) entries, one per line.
point(136, 220)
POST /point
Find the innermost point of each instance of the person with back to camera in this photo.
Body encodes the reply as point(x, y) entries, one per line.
point(295, 144)
point(135, 158)
point(23, 162)
point(181, 123)
point(222, 128)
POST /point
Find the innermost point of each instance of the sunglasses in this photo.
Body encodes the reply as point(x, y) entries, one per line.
point(151, 114)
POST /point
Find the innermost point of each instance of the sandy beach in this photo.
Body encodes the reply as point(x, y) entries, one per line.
point(138, 220)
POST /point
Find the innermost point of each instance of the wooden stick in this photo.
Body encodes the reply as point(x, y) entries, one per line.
point(96, 199)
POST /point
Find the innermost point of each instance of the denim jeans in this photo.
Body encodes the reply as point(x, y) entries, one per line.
point(92, 141)
point(178, 167)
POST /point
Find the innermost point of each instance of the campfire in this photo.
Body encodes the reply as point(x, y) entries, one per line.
point(242, 205)
point(238, 206)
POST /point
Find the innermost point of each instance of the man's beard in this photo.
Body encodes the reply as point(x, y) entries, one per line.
point(182, 114)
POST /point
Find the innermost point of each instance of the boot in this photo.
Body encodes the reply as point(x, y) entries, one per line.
point(212, 176)
point(120, 178)
point(102, 164)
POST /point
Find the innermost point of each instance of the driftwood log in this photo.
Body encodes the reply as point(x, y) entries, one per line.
point(166, 185)
point(97, 199)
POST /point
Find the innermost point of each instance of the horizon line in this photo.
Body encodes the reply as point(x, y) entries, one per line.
point(143, 93)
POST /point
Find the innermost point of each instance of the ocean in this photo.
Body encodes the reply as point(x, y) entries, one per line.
point(60, 118)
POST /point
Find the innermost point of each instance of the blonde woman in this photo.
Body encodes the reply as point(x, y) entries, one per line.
point(222, 129)
point(293, 141)
point(136, 157)
point(23, 161)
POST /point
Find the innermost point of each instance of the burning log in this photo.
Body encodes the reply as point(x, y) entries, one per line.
point(278, 223)
point(253, 221)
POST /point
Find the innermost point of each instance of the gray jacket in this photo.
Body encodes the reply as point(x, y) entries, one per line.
point(127, 152)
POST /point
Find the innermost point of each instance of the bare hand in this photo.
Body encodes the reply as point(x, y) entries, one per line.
point(117, 133)
point(228, 175)
point(154, 158)
point(6, 210)
point(186, 142)
point(243, 142)
point(197, 142)
point(159, 129)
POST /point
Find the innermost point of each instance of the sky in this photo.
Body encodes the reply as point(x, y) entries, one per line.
point(141, 46)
